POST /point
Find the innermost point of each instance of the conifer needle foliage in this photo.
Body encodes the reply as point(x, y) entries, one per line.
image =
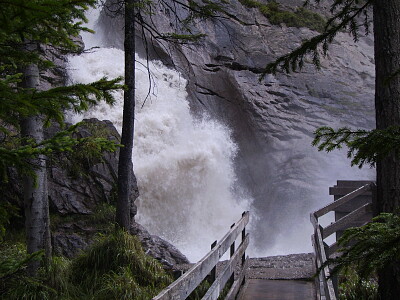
point(347, 15)
point(49, 26)
point(371, 247)
point(364, 147)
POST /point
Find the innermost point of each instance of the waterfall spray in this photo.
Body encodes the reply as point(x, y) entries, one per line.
point(184, 165)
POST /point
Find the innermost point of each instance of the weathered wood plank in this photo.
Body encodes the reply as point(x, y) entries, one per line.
point(237, 284)
point(346, 221)
point(333, 248)
point(314, 220)
point(346, 190)
point(220, 282)
point(328, 285)
point(339, 202)
point(181, 288)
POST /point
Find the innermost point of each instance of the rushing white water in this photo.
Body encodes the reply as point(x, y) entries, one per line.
point(184, 165)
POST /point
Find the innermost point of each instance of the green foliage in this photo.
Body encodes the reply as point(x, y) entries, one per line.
point(203, 10)
point(364, 147)
point(115, 267)
point(352, 287)
point(369, 248)
point(118, 257)
point(200, 290)
point(7, 210)
point(13, 262)
point(103, 219)
point(19, 153)
point(103, 216)
point(83, 152)
point(301, 17)
point(50, 283)
point(47, 22)
point(204, 286)
point(27, 30)
point(348, 15)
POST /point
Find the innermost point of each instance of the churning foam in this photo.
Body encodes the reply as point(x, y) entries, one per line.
point(184, 165)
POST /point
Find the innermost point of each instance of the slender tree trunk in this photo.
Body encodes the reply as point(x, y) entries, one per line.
point(387, 104)
point(35, 189)
point(126, 177)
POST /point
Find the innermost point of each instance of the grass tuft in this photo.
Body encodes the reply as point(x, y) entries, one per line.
point(114, 267)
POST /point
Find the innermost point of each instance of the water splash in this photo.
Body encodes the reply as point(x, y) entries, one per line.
point(184, 165)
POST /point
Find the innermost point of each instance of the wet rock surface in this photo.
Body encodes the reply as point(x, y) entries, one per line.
point(158, 248)
point(293, 266)
point(77, 184)
point(69, 239)
point(272, 120)
point(81, 196)
point(78, 191)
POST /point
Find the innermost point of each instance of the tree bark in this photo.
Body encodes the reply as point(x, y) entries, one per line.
point(387, 104)
point(126, 177)
point(37, 220)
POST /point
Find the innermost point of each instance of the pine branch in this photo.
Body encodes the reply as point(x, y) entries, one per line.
point(364, 147)
point(369, 248)
point(347, 20)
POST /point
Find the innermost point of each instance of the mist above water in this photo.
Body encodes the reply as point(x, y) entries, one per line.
point(189, 193)
point(184, 165)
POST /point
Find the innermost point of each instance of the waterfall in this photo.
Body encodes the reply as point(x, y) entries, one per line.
point(184, 165)
point(189, 193)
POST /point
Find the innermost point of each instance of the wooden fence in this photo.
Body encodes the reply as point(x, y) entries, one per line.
point(322, 250)
point(187, 283)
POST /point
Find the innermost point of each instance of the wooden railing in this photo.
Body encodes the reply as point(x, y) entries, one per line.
point(322, 250)
point(187, 283)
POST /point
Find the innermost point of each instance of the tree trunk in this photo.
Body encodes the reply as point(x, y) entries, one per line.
point(387, 104)
point(37, 221)
point(126, 177)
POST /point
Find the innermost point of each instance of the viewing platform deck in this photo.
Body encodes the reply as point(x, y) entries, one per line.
point(283, 277)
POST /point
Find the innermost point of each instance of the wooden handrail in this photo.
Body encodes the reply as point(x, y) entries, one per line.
point(238, 282)
point(322, 251)
point(339, 202)
point(218, 285)
point(322, 259)
point(343, 223)
point(187, 283)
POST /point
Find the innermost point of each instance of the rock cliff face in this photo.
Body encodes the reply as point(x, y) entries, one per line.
point(273, 120)
point(82, 194)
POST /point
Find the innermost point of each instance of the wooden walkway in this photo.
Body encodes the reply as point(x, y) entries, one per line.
point(284, 277)
point(262, 289)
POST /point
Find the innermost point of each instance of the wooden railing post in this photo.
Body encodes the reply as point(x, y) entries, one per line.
point(206, 268)
point(213, 273)
point(243, 238)
point(232, 252)
point(352, 208)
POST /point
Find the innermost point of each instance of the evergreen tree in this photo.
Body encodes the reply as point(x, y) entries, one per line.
point(378, 147)
point(29, 30)
point(126, 177)
point(133, 10)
